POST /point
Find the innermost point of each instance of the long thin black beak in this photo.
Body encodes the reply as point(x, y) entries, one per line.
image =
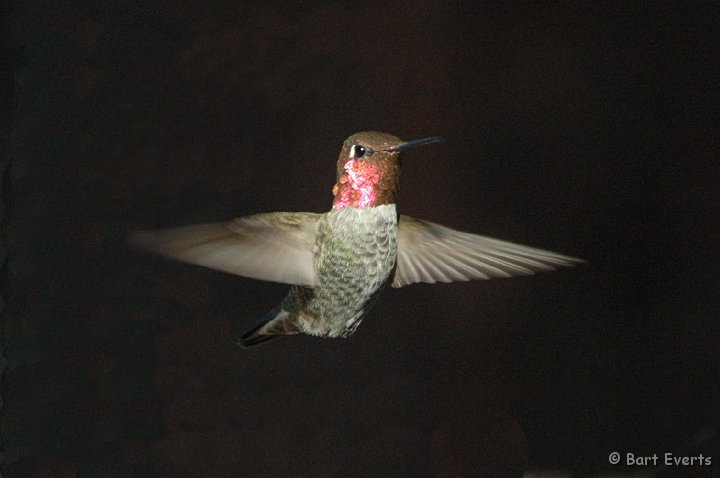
point(416, 142)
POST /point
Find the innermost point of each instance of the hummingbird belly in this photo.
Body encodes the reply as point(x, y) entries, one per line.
point(355, 255)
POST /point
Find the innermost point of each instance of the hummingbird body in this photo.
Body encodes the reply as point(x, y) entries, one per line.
point(338, 262)
point(354, 256)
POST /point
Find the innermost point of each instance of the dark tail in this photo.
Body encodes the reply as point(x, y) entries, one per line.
point(253, 337)
point(275, 324)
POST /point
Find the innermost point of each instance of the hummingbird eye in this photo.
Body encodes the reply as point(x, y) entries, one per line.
point(359, 151)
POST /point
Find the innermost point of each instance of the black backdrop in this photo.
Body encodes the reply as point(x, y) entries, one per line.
point(589, 130)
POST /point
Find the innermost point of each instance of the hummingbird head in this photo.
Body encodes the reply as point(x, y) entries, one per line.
point(368, 169)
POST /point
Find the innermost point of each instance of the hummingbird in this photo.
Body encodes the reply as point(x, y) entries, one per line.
point(338, 262)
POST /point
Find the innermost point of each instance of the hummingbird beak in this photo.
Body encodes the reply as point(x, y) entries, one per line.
point(416, 142)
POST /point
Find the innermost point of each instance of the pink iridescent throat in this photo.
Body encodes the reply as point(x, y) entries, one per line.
point(357, 186)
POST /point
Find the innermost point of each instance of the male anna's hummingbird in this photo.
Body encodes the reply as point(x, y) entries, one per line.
point(338, 262)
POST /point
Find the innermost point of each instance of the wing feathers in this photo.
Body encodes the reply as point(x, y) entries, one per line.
point(279, 247)
point(429, 252)
point(275, 247)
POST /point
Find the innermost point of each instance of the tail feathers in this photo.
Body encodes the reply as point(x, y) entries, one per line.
point(276, 323)
point(252, 338)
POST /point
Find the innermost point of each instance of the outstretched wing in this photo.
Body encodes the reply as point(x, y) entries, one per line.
point(429, 252)
point(275, 247)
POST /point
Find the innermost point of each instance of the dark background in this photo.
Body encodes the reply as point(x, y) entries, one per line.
point(590, 130)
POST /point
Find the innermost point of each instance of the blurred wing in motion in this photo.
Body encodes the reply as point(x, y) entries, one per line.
point(275, 247)
point(429, 252)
